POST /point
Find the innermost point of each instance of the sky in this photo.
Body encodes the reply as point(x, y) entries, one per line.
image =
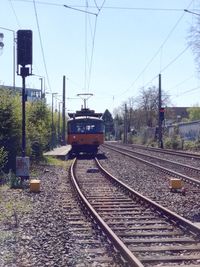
point(111, 52)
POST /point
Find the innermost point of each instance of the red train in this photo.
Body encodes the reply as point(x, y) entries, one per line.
point(85, 131)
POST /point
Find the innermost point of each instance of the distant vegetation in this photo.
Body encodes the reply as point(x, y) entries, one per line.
point(38, 129)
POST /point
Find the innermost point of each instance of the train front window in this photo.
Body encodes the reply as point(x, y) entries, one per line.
point(88, 126)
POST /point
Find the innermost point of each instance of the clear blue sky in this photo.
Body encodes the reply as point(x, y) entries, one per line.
point(133, 44)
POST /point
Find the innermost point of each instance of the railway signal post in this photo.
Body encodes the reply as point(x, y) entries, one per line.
point(24, 69)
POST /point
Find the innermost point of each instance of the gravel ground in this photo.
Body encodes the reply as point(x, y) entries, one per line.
point(46, 228)
point(35, 229)
point(153, 184)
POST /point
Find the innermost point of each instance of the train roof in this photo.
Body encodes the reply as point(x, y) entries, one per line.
point(84, 118)
point(85, 112)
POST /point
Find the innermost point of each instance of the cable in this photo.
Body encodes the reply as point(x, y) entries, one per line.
point(110, 7)
point(169, 64)
point(175, 59)
point(93, 44)
point(38, 2)
point(43, 56)
point(92, 53)
point(188, 91)
point(180, 83)
point(154, 56)
point(12, 7)
point(86, 16)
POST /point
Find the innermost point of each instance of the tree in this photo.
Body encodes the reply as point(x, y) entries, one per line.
point(194, 113)
point(38, 128)
point(194, 42)
point(10, 126)
point(109, 124)
point(148, 105)
point(142, 111)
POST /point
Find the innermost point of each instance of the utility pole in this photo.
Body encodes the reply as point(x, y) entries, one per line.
point(125, 125)
point(160, 137)
point(1, 42)
point(63, 114)
point(41, 88)
point(59, 134)
point(52, 122)
point(14, 42)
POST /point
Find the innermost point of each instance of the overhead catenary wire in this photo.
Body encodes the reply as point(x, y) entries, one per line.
point(182, 82)
point(188, 91)
point(18, 22)
point(157, 52)
point(111, 7)
point(41, 45)
point(15, 14)
point(96, 6)
point(88, 79)
point(93, 41)
point(169, 64)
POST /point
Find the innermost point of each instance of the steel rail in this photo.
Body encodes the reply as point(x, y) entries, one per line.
point(163, 169)
point(162, 210)
point(126, 253)
point(157, 158)
point(168, 151)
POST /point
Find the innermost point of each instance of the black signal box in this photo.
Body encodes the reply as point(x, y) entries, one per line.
point(24, 47)
point(162, 114)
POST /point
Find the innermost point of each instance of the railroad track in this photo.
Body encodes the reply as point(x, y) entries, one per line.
point(143, 232)
point(194, 173)
point(168, 151)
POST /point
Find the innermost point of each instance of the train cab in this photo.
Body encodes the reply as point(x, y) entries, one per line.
point(85, 131)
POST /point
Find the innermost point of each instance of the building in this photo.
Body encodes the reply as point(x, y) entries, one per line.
point(31, 93)
point(187, 130)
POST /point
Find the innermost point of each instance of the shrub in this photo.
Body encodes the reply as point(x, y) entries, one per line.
point(174, 142)
point(3, 158)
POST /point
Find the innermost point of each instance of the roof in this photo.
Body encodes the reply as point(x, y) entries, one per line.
point(85, 112)
point(178, 111)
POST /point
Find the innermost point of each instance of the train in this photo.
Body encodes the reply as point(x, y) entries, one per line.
point(85, 131)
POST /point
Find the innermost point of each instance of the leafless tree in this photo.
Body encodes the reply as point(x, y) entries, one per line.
point(194, 41)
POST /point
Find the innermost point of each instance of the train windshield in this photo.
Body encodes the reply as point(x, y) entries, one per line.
point(86, 126)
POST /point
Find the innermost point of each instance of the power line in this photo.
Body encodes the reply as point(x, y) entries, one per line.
point(109, 7)
point(93, 43)
point(182, 82)
point(86, 17)
point(40, 38)
point(169, 64)
point(155, 55)
point(76, 9)
point(12, 7)
point(38, 2)
point(188, 91)
point(92, 54)
point(175, 59)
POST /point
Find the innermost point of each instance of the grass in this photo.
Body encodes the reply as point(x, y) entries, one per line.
point(12, 207)
point(57, 162)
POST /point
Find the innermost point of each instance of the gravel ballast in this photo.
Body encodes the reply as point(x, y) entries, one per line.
point(153, 184)
point(47, 228)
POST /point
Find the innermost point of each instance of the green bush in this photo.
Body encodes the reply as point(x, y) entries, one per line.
point(189, 145)
point(3, 158)
point(174, 142)
point(10, 126)
point(38, 128)
point(14, 181)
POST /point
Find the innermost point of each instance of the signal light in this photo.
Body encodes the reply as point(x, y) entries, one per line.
point(162, 114)
point(24, 47)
